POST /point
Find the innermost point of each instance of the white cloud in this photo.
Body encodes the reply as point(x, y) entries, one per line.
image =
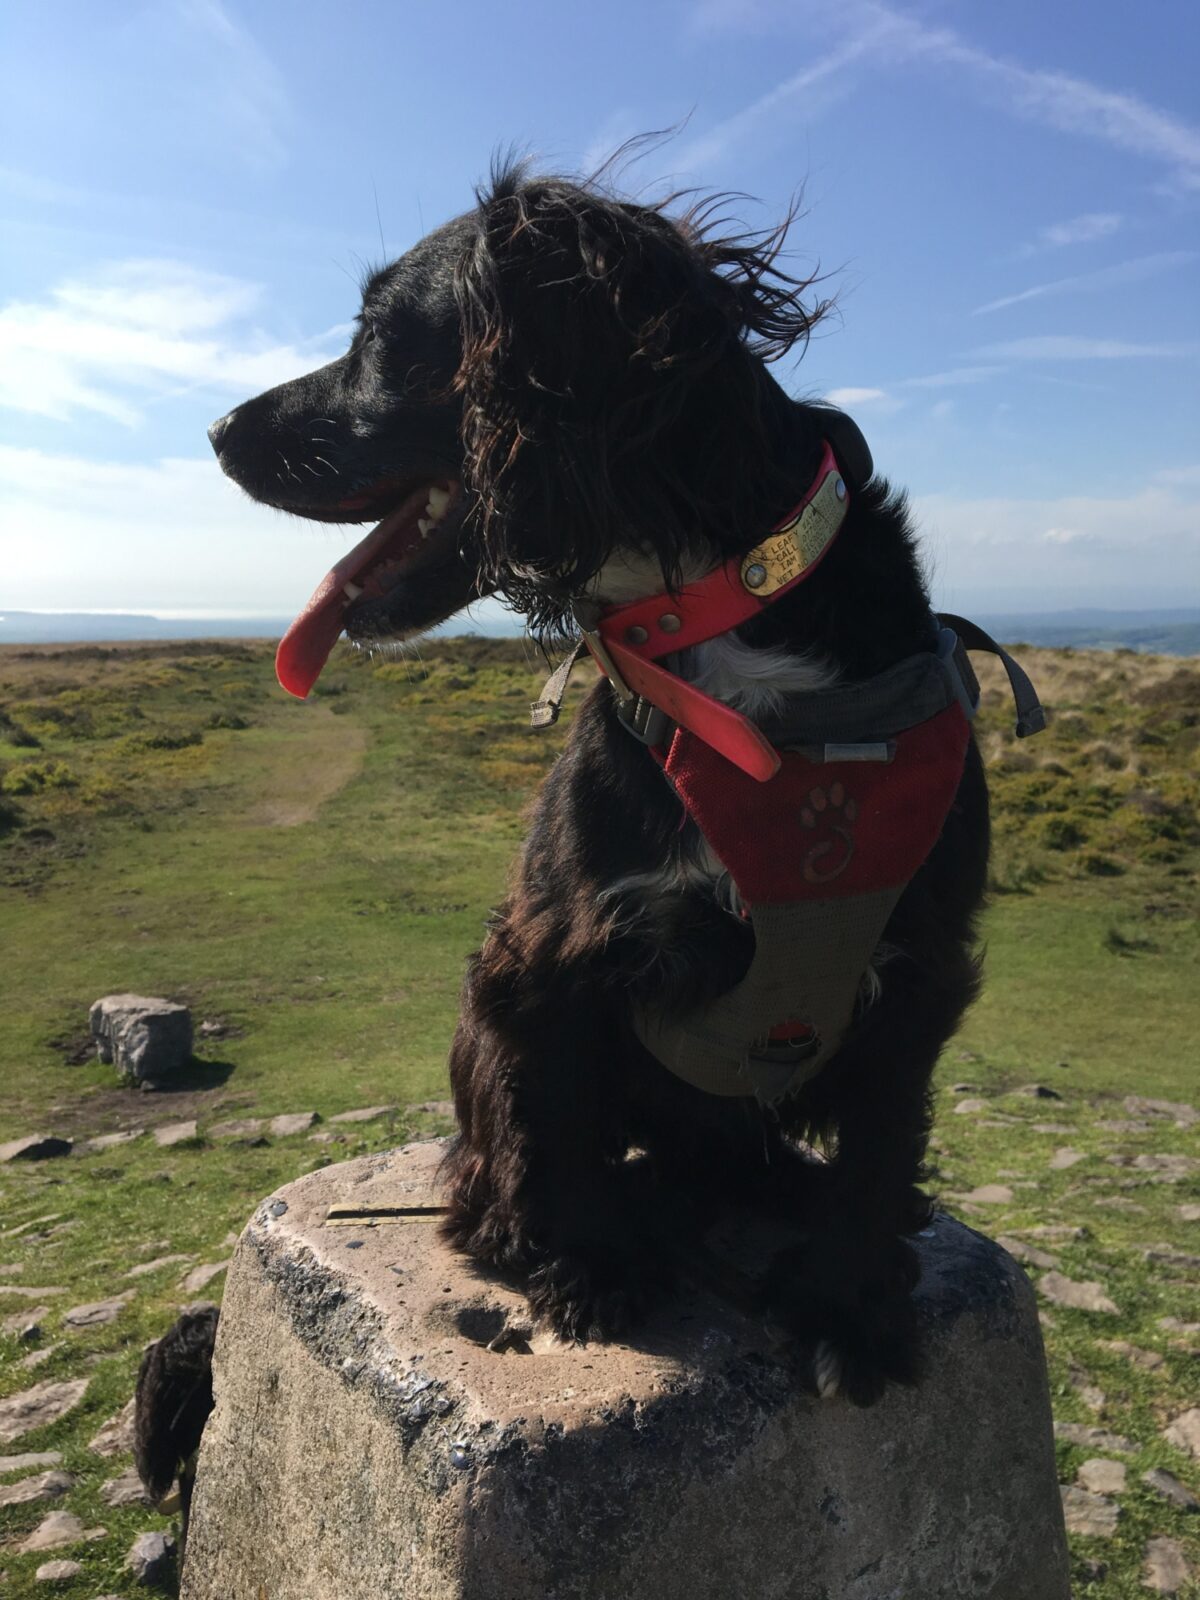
point(135, 330)
point(233, 85)
point(952, 379)
point(1114, 277)
point(1085, 229)
point(855, 397)
point(1072, 347)
point(1141, 549)
point(869, 30)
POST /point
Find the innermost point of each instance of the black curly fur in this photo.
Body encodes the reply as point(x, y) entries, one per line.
point(173, 1400)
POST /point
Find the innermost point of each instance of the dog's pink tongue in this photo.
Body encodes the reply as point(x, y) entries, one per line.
point(305, 647)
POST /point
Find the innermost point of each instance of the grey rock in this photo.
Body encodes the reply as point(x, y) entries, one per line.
point(682, 1465)
point(1184, 1116)
point(38, 1407)
point(37, 1358)
point(1166, 1570)
point(1062, 1159)
point(1099, 1476)
point(290, 1122)
point(151, 1557)
point(34, 1147)
point(1054, 1230)
point(236, 1127)
point(1188, 1213)
point(127, 1490)
point(58, 1571)
point(33, 1458)
point(970, 1108)
point(172, 1133)
point(1083, 1433)
point(1164, 1256)
point(97, 1313)
point(1184, 1432)
point(1038, 1091)
point(200, 1277)
point(363, 1114)
point(436, 1108)
point(988, 1194)
point(148, 1040)
point(116, 1436)
point(1052, 1127)
point(1176, 1325)
point(26, 1292)
point(110, 1141)
point(1148, 1360)
point(146, 1267)
point(1062, 1291)
point(1167, 1485)
point(56, 1529)
point(1089, 1514)
point(46, 1486)
point(1027, 1252)
point(26, 1324)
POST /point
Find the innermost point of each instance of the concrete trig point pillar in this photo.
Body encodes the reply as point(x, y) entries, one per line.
point(367, 1445)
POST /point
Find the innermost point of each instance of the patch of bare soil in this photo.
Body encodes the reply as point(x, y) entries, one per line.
point(311, 767)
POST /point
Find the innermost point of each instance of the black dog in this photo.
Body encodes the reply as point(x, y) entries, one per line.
point(561, 397)
point(173, 1402)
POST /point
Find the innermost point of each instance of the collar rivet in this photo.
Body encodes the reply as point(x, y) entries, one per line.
point(669, 622)
point(839, 489)
point(636, 635)
point(755, 575)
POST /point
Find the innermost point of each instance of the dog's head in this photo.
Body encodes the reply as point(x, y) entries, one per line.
point(553, 378)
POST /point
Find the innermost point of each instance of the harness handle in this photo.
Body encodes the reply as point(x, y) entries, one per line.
point(1031, 717)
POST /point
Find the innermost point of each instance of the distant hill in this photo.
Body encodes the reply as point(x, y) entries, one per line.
point(1168, 632)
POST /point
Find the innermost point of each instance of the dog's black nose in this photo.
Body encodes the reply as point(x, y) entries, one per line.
point(218, 431)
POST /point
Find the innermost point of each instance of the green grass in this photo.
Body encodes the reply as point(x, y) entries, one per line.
point(312, 876)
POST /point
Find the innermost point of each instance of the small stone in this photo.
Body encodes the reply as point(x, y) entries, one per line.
point(1038, 1091)
point(1088, 1513)
point(1189, 1213)
point(150, 1557)
point(989, 1194)
point(1099, 1476)
point(109, 1141)
point(57, 1528)
point(1148, 1360)
point(97, 1313)
point(1090, 1393)
point(159, 1262)
point(36, 1358)
point(24, 1325)
point(1077, 1296)
point(1164, 1256)
point(365, 1114)
point(436, 1108)
point(1170, 1488)
point(236, 1127)
point(1027, 1252)
point(1124, 1125)
point(961, 1088)
point(25, 1463)
point(964, 1108)
point(38, 1407)
point(28, 1293)
point(1184, 1115)
point(35, 1147)
point(1083, 1433)
point(1062, 1159)
point(1054, 1230)
point(1166, 1571)
point(1175, 1325)
point(58, 1571)
point(1052, 1127)
point(116, 1436)
point(292, 1122)
point(1117, 1202)
point(174, 1133)
point(200, 1277)
point(1184, 1432)
point(127, 1490)
point(46, 1486)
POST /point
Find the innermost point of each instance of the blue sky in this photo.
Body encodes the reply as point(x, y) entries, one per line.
point(1007, 199)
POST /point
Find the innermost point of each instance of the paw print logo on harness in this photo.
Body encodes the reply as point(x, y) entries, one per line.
point(831, 813)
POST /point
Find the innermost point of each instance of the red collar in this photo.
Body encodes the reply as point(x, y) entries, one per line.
point(627, 640)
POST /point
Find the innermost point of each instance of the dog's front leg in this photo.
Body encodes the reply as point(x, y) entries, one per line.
point(843, 1299)
point(536, 1181)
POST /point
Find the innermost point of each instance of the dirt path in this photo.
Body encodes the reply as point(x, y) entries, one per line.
point(310, 767)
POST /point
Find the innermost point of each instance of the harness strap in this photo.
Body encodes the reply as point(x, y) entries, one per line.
point(1031, 718)
point(543, 713)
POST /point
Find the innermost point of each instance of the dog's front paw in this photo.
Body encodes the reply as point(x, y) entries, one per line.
point(847, 1333)
point(595, 1291)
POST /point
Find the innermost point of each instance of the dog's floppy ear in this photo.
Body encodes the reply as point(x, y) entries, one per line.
point(612, 377)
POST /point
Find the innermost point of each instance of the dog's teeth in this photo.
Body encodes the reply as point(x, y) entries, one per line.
point(425, 526)
point(439, 499)
point(351, 591)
